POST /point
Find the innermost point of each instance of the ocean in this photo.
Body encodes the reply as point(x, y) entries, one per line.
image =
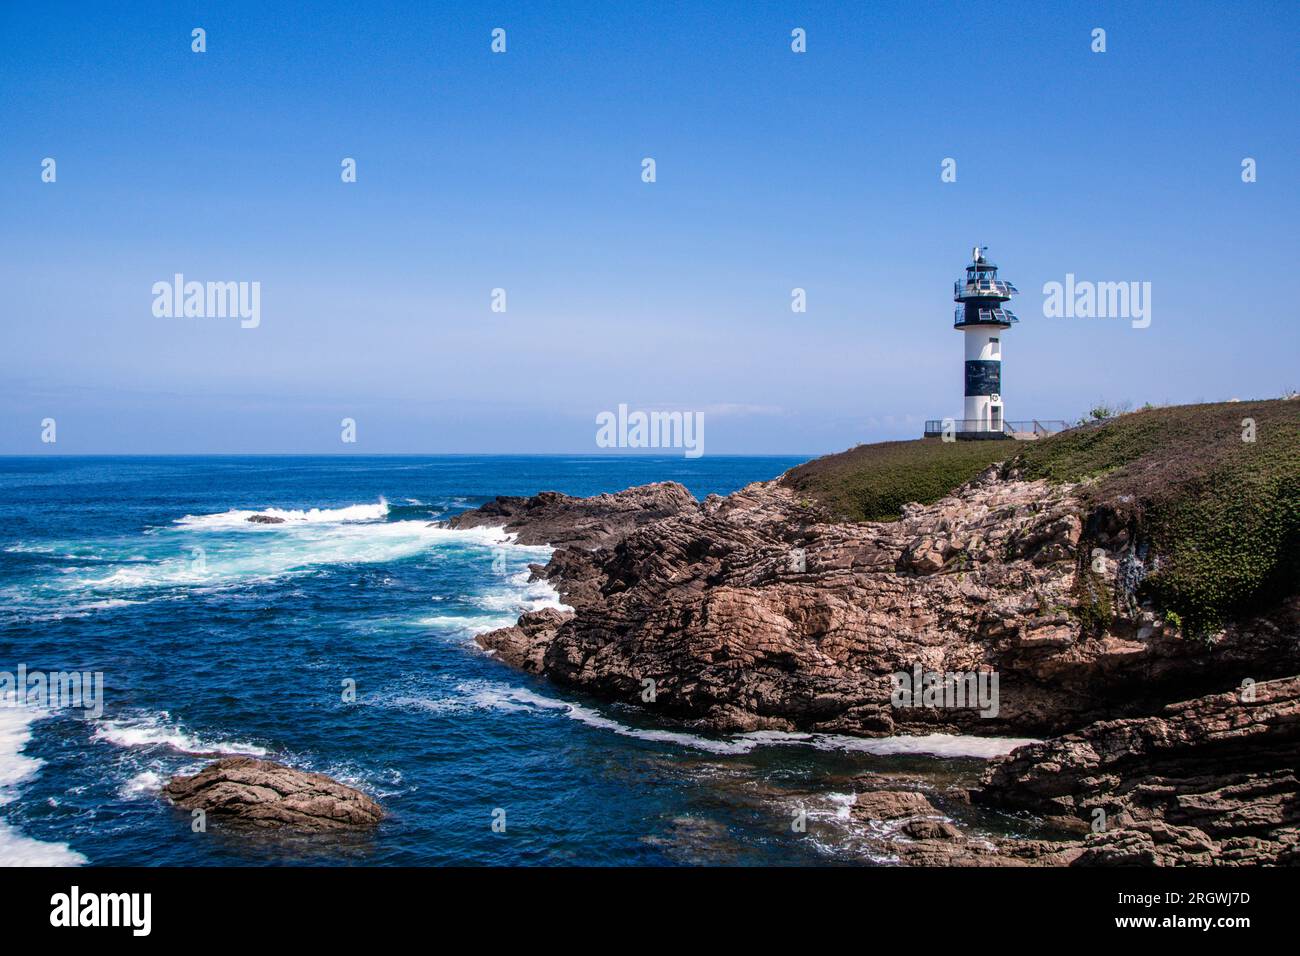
point(215, 636)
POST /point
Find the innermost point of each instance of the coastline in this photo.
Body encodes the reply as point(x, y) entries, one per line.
point(701, 599)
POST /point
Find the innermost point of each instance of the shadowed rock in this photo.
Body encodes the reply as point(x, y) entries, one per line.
point(265, 519)
point(267, 794)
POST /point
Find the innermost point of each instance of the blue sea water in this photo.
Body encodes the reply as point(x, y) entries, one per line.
point(218, 636)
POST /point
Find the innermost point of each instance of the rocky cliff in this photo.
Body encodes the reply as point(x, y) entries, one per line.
point(749, 613)
point(756, 611)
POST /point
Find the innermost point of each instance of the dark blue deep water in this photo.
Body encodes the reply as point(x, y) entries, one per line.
point(218, 636)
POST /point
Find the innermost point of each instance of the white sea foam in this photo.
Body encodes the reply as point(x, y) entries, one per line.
point(159, 730)
point(467, 623)
point(85, 609)
point(842, 804)
point(206, 553)
point(933, 745)
point(15, 732)
point(841, 836)
point(504, 606)
point(142, 786)
point(238, 518)
point(503, 697)
point(297, 549)
point(15, 769)
point(522, 595)
point(18, 850)
point(22, 547)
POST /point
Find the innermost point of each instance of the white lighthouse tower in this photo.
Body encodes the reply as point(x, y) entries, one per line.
point(982, 320)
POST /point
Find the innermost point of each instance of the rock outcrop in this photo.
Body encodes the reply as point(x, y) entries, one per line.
point(266, 794)
point(565, 521)
point(264, 519)
point(907, 828)
point(748, 612)
point(1210, 780)
point(754, 612)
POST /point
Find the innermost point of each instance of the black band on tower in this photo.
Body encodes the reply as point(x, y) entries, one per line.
point(983, 377)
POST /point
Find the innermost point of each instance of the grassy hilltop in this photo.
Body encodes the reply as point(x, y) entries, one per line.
point(1222, 514)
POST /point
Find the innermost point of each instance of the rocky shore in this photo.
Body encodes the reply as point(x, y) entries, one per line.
point(757, 612)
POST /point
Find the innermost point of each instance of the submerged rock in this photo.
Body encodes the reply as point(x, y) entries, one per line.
point(892, 805)
point(267, 794)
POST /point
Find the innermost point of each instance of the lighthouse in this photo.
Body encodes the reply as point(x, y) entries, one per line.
point(982, 320)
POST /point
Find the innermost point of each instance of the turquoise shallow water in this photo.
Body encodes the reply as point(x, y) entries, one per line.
point(217, 636)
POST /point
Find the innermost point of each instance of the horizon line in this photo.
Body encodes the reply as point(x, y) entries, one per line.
point(405, 454)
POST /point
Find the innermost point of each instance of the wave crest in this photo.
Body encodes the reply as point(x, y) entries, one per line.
point(159, 730)
point(15, 768)
point(238, 517)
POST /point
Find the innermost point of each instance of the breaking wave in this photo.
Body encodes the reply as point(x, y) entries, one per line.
point(17, 768)
point(213, 552)
point(160, 731)
point(146, 784)
point(238, 518)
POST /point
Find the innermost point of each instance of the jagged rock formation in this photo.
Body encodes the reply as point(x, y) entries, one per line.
point(562, 520)
point(1205, 780)
point(926, 838)
point(909, 829)
point(750, 613)
point(756, 612)
point(763, 611)
point(266, 794)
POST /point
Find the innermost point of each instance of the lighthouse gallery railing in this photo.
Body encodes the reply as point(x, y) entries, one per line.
point(983, 287)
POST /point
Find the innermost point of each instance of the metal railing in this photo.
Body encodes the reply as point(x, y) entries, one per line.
point(1038, 427)
point(970, 290)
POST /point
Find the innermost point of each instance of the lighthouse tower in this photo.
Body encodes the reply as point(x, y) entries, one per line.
point(981, 319)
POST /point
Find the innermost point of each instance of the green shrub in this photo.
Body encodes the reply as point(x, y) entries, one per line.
point(1095, 605)
point(1221, 514)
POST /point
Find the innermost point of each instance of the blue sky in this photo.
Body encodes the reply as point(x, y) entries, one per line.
point(522, 171)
